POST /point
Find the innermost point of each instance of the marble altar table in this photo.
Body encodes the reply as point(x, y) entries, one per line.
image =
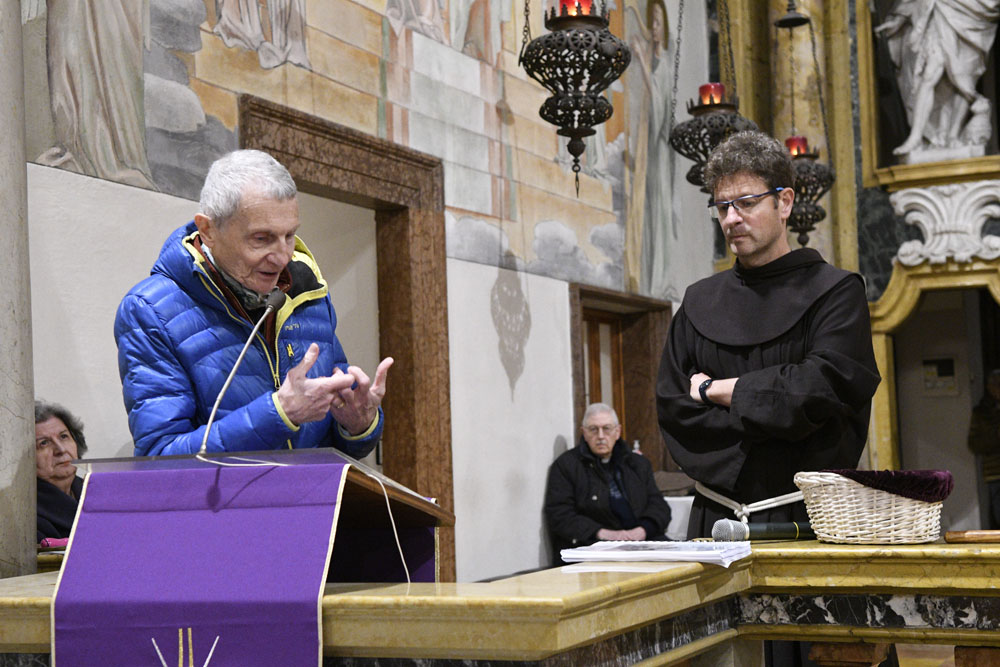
point(935, 593)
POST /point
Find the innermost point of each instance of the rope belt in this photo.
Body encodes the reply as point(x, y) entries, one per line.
point(743, 510)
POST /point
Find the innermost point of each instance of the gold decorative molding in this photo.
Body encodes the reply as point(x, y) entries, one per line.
point(902, 176)
point(844, 194)
point(908, 282)
point(888, 313)
point(867, 97)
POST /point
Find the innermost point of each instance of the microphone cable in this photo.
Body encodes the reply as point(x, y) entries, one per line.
point(274, 301)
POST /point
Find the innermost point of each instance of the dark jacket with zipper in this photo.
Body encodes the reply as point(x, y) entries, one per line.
point(578, 496)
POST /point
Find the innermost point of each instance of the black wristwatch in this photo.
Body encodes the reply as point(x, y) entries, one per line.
point(703, 391)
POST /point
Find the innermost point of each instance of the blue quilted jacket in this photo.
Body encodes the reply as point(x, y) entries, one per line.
point(178, 339)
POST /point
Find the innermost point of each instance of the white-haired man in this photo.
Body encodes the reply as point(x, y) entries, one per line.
point(602, 490)
point(180, 330)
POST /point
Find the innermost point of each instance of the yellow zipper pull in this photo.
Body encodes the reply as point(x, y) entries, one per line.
point(291, 352)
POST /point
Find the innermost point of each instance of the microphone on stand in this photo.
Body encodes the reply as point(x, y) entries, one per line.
point(275, 300)
point(727, 530)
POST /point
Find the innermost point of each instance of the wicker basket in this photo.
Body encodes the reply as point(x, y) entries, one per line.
point(842, 510)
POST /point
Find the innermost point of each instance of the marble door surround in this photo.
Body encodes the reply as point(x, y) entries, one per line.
point(406, 190)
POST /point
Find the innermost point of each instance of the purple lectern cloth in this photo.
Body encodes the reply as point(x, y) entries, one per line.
point(237, 554)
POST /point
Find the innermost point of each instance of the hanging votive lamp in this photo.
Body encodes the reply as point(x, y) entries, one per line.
point(715, 114)
point(576, 61)
point(714, 117)
point(813, 179)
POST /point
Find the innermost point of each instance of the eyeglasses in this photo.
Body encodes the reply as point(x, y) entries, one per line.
point(744, 204)
point(604, 428)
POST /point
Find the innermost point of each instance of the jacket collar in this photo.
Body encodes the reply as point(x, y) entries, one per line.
point(618, 452)
point(184, 264)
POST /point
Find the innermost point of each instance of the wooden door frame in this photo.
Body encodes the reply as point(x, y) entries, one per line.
point(406, 190)
point(592, 335)
point(644, 331)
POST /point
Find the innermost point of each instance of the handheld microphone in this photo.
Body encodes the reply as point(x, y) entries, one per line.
point(727, 530)
point(275, 300)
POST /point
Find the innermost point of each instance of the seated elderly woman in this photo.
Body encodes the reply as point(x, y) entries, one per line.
point(58, 441)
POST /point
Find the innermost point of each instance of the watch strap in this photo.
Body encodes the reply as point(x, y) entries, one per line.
point(703, 391)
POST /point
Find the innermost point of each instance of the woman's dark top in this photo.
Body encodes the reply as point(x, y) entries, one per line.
point(57, 510)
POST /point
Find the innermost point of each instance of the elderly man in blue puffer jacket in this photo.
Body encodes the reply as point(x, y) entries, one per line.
point(180, 330)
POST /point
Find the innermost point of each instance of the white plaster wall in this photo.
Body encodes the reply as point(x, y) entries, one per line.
point(91, 240)
point(342, 238)
point(503, 442)
point(933, 429)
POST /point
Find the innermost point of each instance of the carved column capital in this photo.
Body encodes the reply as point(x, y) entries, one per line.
point(951, 218)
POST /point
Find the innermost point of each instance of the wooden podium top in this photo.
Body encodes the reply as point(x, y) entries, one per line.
point(362, 490)
point(407, 506)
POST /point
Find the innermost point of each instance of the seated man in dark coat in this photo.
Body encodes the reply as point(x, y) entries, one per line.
point(58, 442)
point(601, 490)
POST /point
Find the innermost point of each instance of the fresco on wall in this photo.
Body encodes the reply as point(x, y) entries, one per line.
point(638, 164)
point(651, 225)
point(476, 26)
point(239, 24)
point(145, 93)
point(94, 64)
point(423, 16)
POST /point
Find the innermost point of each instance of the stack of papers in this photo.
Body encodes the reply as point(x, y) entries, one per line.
point(719, 553)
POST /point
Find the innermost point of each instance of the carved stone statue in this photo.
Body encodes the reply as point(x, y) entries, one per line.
point(939, 48)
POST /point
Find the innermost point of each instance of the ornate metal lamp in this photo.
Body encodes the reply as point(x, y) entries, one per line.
point(714, 119)
point(714, 116)
point(575, 61)
point(813, 179)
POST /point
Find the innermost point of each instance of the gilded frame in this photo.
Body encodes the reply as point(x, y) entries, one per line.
point(887, 314)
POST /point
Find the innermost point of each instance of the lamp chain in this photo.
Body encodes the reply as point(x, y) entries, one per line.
point(677, 62)
point(526, 33)
point(819, 90)
point(793, 72)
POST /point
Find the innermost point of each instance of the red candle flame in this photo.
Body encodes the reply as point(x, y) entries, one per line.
point(712, 93)
point(797, 145)
point(574, 7)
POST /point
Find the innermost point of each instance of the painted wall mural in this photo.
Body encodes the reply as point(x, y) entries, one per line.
point(144, 92)
point(239, 24)
point(423, 16)
point(94, 68)
point(650, 220)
